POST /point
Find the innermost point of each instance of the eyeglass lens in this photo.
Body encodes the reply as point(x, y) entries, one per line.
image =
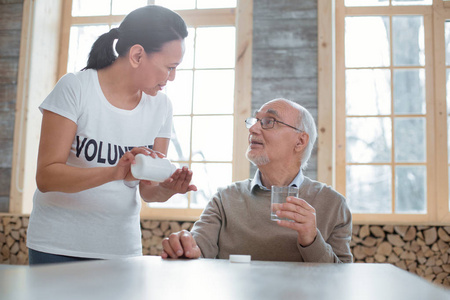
point(266, 123)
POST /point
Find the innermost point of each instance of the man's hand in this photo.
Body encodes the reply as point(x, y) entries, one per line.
point(303, 216)
point(180, 244)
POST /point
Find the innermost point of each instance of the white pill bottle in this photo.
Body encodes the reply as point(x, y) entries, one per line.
point(153, 169)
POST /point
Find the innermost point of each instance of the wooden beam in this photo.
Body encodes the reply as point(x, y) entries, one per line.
point(17, 173)
point(326, 91)
point(243, 88)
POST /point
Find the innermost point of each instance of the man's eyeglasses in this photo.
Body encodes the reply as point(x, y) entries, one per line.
point(266, 123)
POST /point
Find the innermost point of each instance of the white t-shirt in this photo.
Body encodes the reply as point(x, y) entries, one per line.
point(102, 222)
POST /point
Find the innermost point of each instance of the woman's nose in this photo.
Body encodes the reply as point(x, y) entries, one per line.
point(172, 75)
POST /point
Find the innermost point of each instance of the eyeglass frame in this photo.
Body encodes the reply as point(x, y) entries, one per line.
point(249, 125)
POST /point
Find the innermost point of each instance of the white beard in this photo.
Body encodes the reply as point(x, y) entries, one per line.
point(257, 160)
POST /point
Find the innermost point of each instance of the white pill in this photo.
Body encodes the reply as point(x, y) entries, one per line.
point(240, 258)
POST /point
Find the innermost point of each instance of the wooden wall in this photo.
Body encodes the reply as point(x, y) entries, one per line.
point(285, 57)
point(10, 31)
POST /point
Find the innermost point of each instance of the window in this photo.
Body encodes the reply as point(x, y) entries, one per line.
point(390, 112)
point(210, 96)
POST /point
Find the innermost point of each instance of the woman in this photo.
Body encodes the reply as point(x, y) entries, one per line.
point(94, 122)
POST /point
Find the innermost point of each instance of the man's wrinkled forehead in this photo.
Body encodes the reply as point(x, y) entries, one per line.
point(268, 111)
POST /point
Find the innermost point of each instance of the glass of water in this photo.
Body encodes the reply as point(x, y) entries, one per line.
point(279, 195)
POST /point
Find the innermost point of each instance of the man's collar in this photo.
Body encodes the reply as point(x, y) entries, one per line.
point(298, 180)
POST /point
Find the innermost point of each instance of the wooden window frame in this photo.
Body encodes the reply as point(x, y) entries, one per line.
point(37, 75)
point(241, 17)
point(331, 151)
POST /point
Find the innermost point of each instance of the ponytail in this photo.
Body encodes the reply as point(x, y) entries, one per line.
point(150, 26)
point(102, 52)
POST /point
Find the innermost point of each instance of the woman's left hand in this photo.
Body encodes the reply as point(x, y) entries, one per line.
point(179, 182)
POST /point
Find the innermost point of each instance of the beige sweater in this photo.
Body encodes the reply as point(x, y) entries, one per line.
point(237, 221)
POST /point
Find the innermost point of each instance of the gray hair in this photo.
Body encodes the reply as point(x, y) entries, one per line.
point(306, 123)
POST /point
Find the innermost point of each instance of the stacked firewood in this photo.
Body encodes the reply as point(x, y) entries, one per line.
point(13, 237)
point(423, 250)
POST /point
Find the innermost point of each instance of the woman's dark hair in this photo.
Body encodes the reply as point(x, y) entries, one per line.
point(150, 26)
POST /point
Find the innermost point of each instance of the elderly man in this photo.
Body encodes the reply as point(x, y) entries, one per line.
point(237, 219)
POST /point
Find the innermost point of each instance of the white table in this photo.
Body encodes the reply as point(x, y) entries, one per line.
point(150, 277)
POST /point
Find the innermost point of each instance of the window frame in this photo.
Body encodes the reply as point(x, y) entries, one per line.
point(241, 17)
point(332, 106)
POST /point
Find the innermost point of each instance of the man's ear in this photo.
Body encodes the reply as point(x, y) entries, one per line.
point(302, 141)
point(135, 55)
